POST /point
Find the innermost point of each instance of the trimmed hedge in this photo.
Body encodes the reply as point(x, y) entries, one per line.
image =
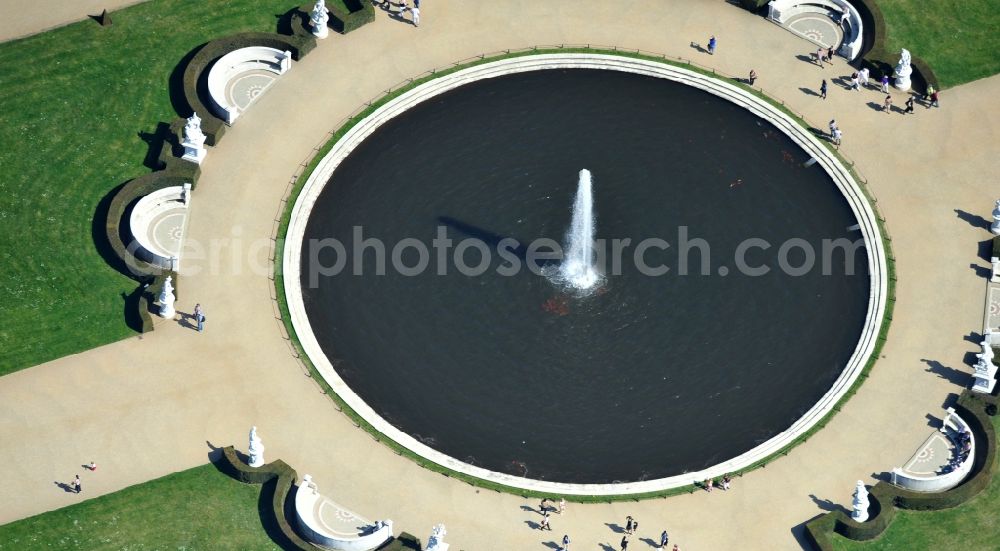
point(195, 79)
point(361, 13)
point(885, 497)
point(284, 477)
point(173, 171)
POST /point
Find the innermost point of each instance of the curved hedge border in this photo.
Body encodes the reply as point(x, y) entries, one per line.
point(361, 13)
point(886, 498)
point(174, 171)
point(284, 477)
point(476, 482)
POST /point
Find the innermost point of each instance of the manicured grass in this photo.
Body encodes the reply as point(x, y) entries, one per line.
point(958, 38)
point(200, 508)
point(973, 525)
point(72, 106)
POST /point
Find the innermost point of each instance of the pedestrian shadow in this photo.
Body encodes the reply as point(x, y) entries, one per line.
point(66, 487)
point(186, 320)
point(843, 82)
point(982, 271)
point(532, 524)
point(810, 59)
point(552, 545)
point(615, 528)
point(874, 106)
point(950, 374)
point(530, 508)
point(973, 220)
point(808, 91)
point(607, 547)
point(698, 47)
point(650, 542)
point(826, 504)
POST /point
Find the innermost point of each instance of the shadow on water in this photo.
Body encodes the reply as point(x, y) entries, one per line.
point(493, 240)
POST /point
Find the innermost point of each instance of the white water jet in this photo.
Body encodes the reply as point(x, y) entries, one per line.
point(578, 268)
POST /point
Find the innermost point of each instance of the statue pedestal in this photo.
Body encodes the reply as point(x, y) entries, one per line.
point(902, 83)
point(985, 376)
point(995, 227)
point(194, 152)
point(320, 29)
point(256, 455)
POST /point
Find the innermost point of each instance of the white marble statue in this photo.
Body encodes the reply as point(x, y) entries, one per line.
point(167, 299)
point(987, 353)
point(995, 228)
point(903, 71)
point(194, 140)
point(436, 541)
point(860, 503)
point(319, 18)
point(256, 449)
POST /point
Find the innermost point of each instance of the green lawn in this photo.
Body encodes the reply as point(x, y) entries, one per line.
point(973, 526)
point(72, 105)
point(958, 38)
point(196, 509)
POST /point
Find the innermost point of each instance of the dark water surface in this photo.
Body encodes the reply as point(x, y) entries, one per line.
point(648, 376)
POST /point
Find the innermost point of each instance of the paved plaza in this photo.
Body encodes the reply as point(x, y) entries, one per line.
point(158, 403)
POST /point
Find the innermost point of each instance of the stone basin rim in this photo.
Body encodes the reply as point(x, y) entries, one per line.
point(855, 196)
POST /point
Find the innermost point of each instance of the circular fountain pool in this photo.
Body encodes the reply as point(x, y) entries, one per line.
point(653, 374)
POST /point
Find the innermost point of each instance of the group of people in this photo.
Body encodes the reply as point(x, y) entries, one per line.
point(709, 483)
point(404, 7)
point(963, 445)
point(549, 505)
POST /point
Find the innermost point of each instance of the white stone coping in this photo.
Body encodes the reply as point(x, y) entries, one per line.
point(308, 512)
point(146, 210)
point(240, 61)
point(852, 192)
point(780, 11)
point(946, 481)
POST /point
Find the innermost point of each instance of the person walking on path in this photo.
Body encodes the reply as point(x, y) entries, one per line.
point(885, 84)
point(930, 92)
point(542, 507)
point(863, 74)
point(887, 104)
point(820, 52)
point(562, 505)
point(77, 484)
point(836, 135)
point(565, 543)
point(753, 77)
point(855, 82)
point(92, 466)
point(829, 56)
point(725, 482)
point(628, 525)
point(934, 99)
point(199, 316)
point(822, 90)
point(624, 543)
point(415, 15)
point(833, 127)
point(712, 43)
point(909, 105)
point(544, 525)
point(676, 548)
point(664, 539)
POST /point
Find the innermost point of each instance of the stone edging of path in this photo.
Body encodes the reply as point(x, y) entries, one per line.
point(868, 225)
